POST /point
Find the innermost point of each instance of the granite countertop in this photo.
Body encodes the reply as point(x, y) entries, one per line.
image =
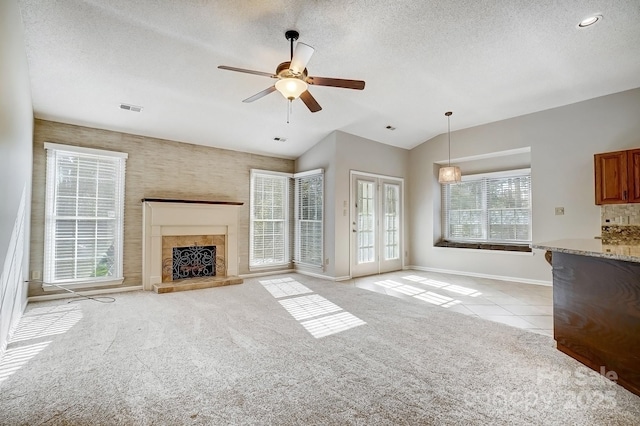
point(628, 250)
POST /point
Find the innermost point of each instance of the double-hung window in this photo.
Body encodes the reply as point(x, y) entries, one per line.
point(269, 219)
point(488, 208)
point(309, 187)
point(270, 239)
point(84, 215)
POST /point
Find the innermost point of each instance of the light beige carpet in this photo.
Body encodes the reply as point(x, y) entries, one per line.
point(253, 354)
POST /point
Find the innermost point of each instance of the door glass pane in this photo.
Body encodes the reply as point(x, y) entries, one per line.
point(366, 221)
point(391, 221)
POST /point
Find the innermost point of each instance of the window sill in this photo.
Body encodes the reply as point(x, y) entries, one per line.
point(511, 248)
point(81, 285)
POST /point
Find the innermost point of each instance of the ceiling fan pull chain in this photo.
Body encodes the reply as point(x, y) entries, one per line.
point(288, 110)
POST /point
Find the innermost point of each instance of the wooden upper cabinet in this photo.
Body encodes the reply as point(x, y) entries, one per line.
point(617, 177)
point(633, 170)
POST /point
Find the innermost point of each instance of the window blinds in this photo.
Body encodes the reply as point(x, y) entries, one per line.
point(84, 214)
point(309, 203)
point(269, 219)
point(494, 207)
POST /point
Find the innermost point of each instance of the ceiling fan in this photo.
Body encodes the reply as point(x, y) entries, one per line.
point(293, 78)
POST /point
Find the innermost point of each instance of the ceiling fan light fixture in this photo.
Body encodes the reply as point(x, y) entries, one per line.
point(291, 88)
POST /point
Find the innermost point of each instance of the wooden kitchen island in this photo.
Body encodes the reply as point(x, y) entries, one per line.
point(596, 306)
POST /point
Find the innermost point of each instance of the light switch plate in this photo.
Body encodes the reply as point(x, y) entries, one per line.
point(559, 211)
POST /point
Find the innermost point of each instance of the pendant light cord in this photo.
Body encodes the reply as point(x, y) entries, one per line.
point(449, 132)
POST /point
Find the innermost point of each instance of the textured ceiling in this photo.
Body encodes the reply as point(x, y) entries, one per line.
point(485, 60)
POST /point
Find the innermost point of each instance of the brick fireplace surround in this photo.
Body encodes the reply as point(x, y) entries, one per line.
point(184, 218)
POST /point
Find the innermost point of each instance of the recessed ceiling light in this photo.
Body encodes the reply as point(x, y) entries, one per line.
point(589, 21)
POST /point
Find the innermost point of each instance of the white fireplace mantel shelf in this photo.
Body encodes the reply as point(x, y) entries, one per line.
point(176, 200)
point(164, 217)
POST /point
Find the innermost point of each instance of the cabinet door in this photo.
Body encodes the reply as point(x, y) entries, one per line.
point(611, 177)
point(633, 157)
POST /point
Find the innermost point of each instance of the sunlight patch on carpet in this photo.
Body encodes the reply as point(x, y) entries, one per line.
point(319, 313)
point(47, 322)
point(15, 358)
point(325, 326)
point(285, 287)
point(35, 324)
point(309, 306)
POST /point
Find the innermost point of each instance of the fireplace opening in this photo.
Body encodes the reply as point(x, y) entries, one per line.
point(194, 261)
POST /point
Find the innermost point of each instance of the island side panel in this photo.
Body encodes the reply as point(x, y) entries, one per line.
point(596, 314)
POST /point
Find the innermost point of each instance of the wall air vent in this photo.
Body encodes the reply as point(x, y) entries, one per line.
point(133, 108)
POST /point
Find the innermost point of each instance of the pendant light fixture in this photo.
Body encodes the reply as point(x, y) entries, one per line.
point(449, 174)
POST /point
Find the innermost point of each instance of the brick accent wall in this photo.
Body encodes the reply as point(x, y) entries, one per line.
point(156, 168)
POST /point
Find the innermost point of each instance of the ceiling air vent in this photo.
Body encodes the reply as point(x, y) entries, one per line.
point(133, 108)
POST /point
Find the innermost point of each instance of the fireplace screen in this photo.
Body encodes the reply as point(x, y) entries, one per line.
point(194, 261)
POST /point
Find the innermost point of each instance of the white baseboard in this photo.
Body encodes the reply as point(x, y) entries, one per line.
point(314, 274)
point(264, 274)
point(478, 275)
point(321, 276)
point(68, 295)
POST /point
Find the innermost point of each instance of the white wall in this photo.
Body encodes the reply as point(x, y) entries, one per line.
point(338, 154)
point(16, 133)
point(562, 141)
point(323, 155)
point(363, 155)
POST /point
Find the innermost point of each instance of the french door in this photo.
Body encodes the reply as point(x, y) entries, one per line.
point(376, 222)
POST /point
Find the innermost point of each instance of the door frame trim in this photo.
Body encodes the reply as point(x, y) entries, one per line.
point(400, 180)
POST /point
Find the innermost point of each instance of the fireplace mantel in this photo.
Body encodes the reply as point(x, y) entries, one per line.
point(176, 200)
point(163, 217)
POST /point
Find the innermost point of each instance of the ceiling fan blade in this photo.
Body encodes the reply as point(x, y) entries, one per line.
point(259, 95)
point(265, 74)
point(301, 57)
point(310, 101)
point(336, 82)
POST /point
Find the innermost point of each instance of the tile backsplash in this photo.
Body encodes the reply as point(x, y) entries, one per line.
point(620, 214)
point(620, 223)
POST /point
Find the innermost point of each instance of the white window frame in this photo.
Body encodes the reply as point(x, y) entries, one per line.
point(254, 264)
point(50, 218)
point(298, 255)
point(484, 176)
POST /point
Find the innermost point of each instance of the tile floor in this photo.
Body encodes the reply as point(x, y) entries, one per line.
point(526, 306)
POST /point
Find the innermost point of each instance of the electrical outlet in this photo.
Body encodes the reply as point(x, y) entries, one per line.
point(559, 211)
